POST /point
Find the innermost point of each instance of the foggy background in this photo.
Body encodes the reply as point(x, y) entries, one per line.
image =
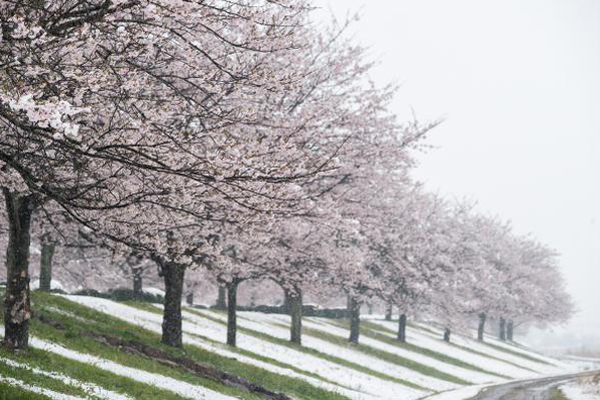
point(518, 84)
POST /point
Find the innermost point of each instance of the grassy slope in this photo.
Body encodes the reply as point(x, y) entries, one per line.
point(84, 319)
point(306, 350)
point(8, 392)
point(78, 319)
point(370, 326)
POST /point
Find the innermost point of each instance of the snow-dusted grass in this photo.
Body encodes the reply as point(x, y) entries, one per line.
point(587, 388)
point(253, 369)
point(360, 382)
point(180, 388)
point(63, 381)
point(262, 327)
point(325, 367)
point(43, 392)
point(503, 351)
point(417, 338)
point(445, 364)
point(73, 337)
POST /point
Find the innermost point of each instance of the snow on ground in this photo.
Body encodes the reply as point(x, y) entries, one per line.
point(54, 284)
point(331, 371)
point(89, 388)
point(36, 389)
point(204, 332)
point(264, 323)
point(555, 368)
point(522, 350)
point(183, 389)
point(582, 363)
point(420, 339)
point(465, 374)
point(350, 383)
point(576, 391)
point(154, 291)
point(458, 394)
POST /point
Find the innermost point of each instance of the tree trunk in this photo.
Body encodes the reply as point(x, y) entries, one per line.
point(16, 302)
point(370, 308)
point(190, 298)
point(173, 274)
point(354, 320)
point(231, 314)
point(221, 302)
point(388, 312)
point(509, 330)
point(295, 302)
point(287, 307)
point(137, 282)
point(447, 333)
point(46, 266)
point(481, 327)
point(502, 329)
point(402, 328)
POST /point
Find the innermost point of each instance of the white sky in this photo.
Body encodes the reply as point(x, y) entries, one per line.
point(518, 82)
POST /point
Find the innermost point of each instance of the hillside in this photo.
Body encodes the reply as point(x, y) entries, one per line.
point(86, 347)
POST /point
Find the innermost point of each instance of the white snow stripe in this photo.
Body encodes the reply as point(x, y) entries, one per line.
point(153, 322)
point(89, 388)
point(181, 388)
point(38, 390)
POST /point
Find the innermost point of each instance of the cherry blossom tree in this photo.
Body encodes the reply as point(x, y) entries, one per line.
point(106, 106)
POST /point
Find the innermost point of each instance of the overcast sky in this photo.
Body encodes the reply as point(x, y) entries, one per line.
point(518, 83)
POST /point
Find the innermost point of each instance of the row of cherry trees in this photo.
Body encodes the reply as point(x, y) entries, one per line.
point(240, 138)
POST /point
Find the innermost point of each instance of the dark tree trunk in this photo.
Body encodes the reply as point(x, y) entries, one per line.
point(46, 266)
point(481, 327)
point(16, 302)
point(447, 333)
point(502, 329)
point(137, 281)
point(295, 303)
point(402, 328)
point(388, 312)
point(354, 320)
point(370, 308)
point(509, 330)
point(190, 298)
point(173, 274)
point(221, 302)
point(287, 307)
point(231, 315)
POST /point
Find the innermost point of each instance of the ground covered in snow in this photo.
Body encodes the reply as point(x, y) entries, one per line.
point(584, 389)
point(72, 358)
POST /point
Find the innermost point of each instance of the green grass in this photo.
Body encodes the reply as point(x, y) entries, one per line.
point(516, 353)
point(31, 378)
point(557, 394)
point(108, 325)
point(373, 331)
point(464, 348)
point(389, 357)
point(307, 350)
point(8, 392)
point(238, 350)
point(86, 373)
